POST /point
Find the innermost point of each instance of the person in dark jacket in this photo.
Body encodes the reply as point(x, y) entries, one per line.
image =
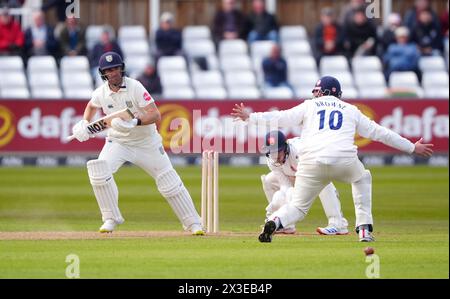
point(412, 15)
point(150, 79)
point(73, 38)
point(275, 69)
point(168, 39)
point(427, 34)
point(39, 38)
point(262, 25)
point(360, 34)
point(106, 44)
point(229, 23)
point(329, 37)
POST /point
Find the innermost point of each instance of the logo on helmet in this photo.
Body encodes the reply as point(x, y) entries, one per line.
point(333, 89)
point(109, 58)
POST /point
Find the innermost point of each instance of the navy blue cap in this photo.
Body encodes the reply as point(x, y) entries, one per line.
point(275, 141)
point(109, 60)
point(329, 86)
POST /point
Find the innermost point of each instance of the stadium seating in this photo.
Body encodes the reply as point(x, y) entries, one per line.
point(93, 33)
point(11, 63)
point(432, 63)
point(207, 79)
point(278, 93)
point(211, 92)
point(234, 70)
point(179, 93)
point(289, 33)
point(235, 63)
point(191, 33)
point(366, 64)
point(244, 93)
point(332, 64)
point(233, 47)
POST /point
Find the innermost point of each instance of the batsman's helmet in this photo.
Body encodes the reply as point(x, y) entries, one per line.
point(328, 86)
point(109, 60)
point(275, 142)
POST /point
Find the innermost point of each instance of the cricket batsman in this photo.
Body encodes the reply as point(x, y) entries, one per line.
point(136, 141)
point(278, 185)
point(329, 153)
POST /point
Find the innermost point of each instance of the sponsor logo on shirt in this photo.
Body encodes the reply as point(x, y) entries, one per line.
point(147, 97)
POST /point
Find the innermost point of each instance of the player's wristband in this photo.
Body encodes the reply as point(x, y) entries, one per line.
point(137, 121)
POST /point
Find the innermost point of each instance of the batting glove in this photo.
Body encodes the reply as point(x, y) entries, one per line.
point(122, 126)
point(80, 130)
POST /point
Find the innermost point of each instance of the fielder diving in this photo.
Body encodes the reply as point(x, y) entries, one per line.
point(278, 185)
point(136, 141)
point(328, 133)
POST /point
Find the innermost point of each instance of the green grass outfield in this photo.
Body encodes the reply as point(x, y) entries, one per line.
point(58, 215)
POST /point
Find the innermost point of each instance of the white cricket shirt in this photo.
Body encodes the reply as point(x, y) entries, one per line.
point(134, 96)
point(286, 172)
point(328, 129)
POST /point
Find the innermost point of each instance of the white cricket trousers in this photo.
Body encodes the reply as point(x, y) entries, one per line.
point(312, 178)
point(154, 160)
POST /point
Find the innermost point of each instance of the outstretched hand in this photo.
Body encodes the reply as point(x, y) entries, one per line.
point(423, 149)
point(240, 112)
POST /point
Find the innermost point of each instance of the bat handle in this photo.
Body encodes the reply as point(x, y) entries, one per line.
point(70, 138)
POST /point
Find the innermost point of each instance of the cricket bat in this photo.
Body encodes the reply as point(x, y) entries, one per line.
point(104, 123)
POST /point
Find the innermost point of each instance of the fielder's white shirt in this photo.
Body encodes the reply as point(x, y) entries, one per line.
point(286, 172)
point(328, 129)
point(134, 96)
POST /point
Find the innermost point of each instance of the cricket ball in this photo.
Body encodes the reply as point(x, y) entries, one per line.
point(369, 250)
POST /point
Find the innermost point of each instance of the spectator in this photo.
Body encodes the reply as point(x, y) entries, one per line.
point(73, 38)
point(262, 25)
point(11, 36)
point(229, 23)
point(412, 15)
point(329, 38)
point(403, 55)
point(275, 69)
point(349, 9)
point(168, 38)
point(12, 3)
point(427, 34)
point(106, 44)
point(360, 34)
point(150, 79)
point(388, 35)
point(39, 38)
point(444, 23)
point(61, 12)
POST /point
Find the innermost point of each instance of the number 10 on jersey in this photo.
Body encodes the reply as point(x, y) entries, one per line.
point(334, 121)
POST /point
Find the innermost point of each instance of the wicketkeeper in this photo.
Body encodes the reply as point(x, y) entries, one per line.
point(282, 159)
point(136, 141)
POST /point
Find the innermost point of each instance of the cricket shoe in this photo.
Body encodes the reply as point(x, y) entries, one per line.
point(286, 230)
point(108, 226)
point(267, 233)
point(197, 230)
point(364, 233)
point(332, 230)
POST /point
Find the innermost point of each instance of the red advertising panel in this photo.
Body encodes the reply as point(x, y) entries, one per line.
point(192, 125)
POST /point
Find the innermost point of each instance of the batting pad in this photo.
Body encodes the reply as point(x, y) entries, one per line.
point(105, 190)
point(172, 188)
point(270, 185)
point(329, 197)
point(362, 198)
